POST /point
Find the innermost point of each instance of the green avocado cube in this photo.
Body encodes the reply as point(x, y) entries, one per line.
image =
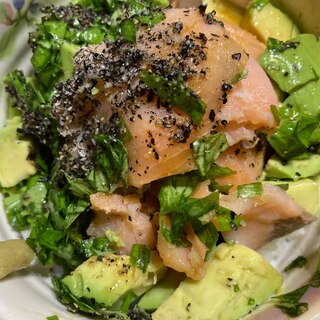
point(267, 21)
point(306, 99)
point(108, 278)
point(14, 152)
point(237, 280)
point(293, 64)
point(153, 298)
point(68, 51)
point(292, 169)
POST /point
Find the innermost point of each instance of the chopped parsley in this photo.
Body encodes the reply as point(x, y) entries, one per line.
point(298, 262)
point(176, 94)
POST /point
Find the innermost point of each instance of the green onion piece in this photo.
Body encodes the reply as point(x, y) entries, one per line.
point(250, 190)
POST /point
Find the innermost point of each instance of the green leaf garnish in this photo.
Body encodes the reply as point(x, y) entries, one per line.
point(140, 256)
point(299, 262)
point(176, 93)
point(207, 150)
point(250, 190)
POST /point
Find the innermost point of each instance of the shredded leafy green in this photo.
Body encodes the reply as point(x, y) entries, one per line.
point(208, 234)
point(297, 133)
point(294, 66)
point(176, 94)
point(299, 262)
point(97, 246)
point(259, 4)
point(140, 256)
point(53, 318)
point(250, 190)
point(176, 200)
point(290, 302)
point(207, 150)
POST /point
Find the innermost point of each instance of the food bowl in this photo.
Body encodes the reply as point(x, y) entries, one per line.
point(28, 294)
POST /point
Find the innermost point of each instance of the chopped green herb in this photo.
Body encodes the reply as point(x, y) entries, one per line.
point(236, 288)
point(140, 256)
point(53, 318)
point(128, 30)
point(226, 220)
point(207, 150)
point(258, 4)
point(299, 262)
point(208, 234)
point(97, 246)
point(289, 302)
point(91, 306)
point(251, 302)
point(250, 190)
point(176, 94)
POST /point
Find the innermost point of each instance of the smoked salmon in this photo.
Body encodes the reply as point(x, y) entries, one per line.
point(122, 216)
point(267, 216)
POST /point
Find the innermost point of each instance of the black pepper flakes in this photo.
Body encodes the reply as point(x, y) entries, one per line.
point(236, 56)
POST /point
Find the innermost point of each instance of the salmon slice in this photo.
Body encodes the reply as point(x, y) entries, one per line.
point(189, 260)
point(247, 164)
point(246, 111)
point(268, 216)
point(247, 40)
point(122, 215)
point(161, 141)
point(249, 102)
point(187, 42)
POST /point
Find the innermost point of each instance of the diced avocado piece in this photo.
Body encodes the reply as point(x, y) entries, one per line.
point(14, 165)
point(152, 299)
point(293, 64)
point(225, 9)
point(305, 192)
point(67, 51)
point(317, 180)
point(292, 169)
point(306, 99)
point(267, 21)
point(237, 280)
point(107, 278)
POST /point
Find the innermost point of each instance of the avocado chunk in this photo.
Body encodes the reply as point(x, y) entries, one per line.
point(316, 179)
point(237, 280)
point(67, 52)
point(14, 163)
point(292, 169)
point(225, 9)
point(306, 99)
point(266, 21)
point(108, 278)
point(293, 64)
point(153, 298)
